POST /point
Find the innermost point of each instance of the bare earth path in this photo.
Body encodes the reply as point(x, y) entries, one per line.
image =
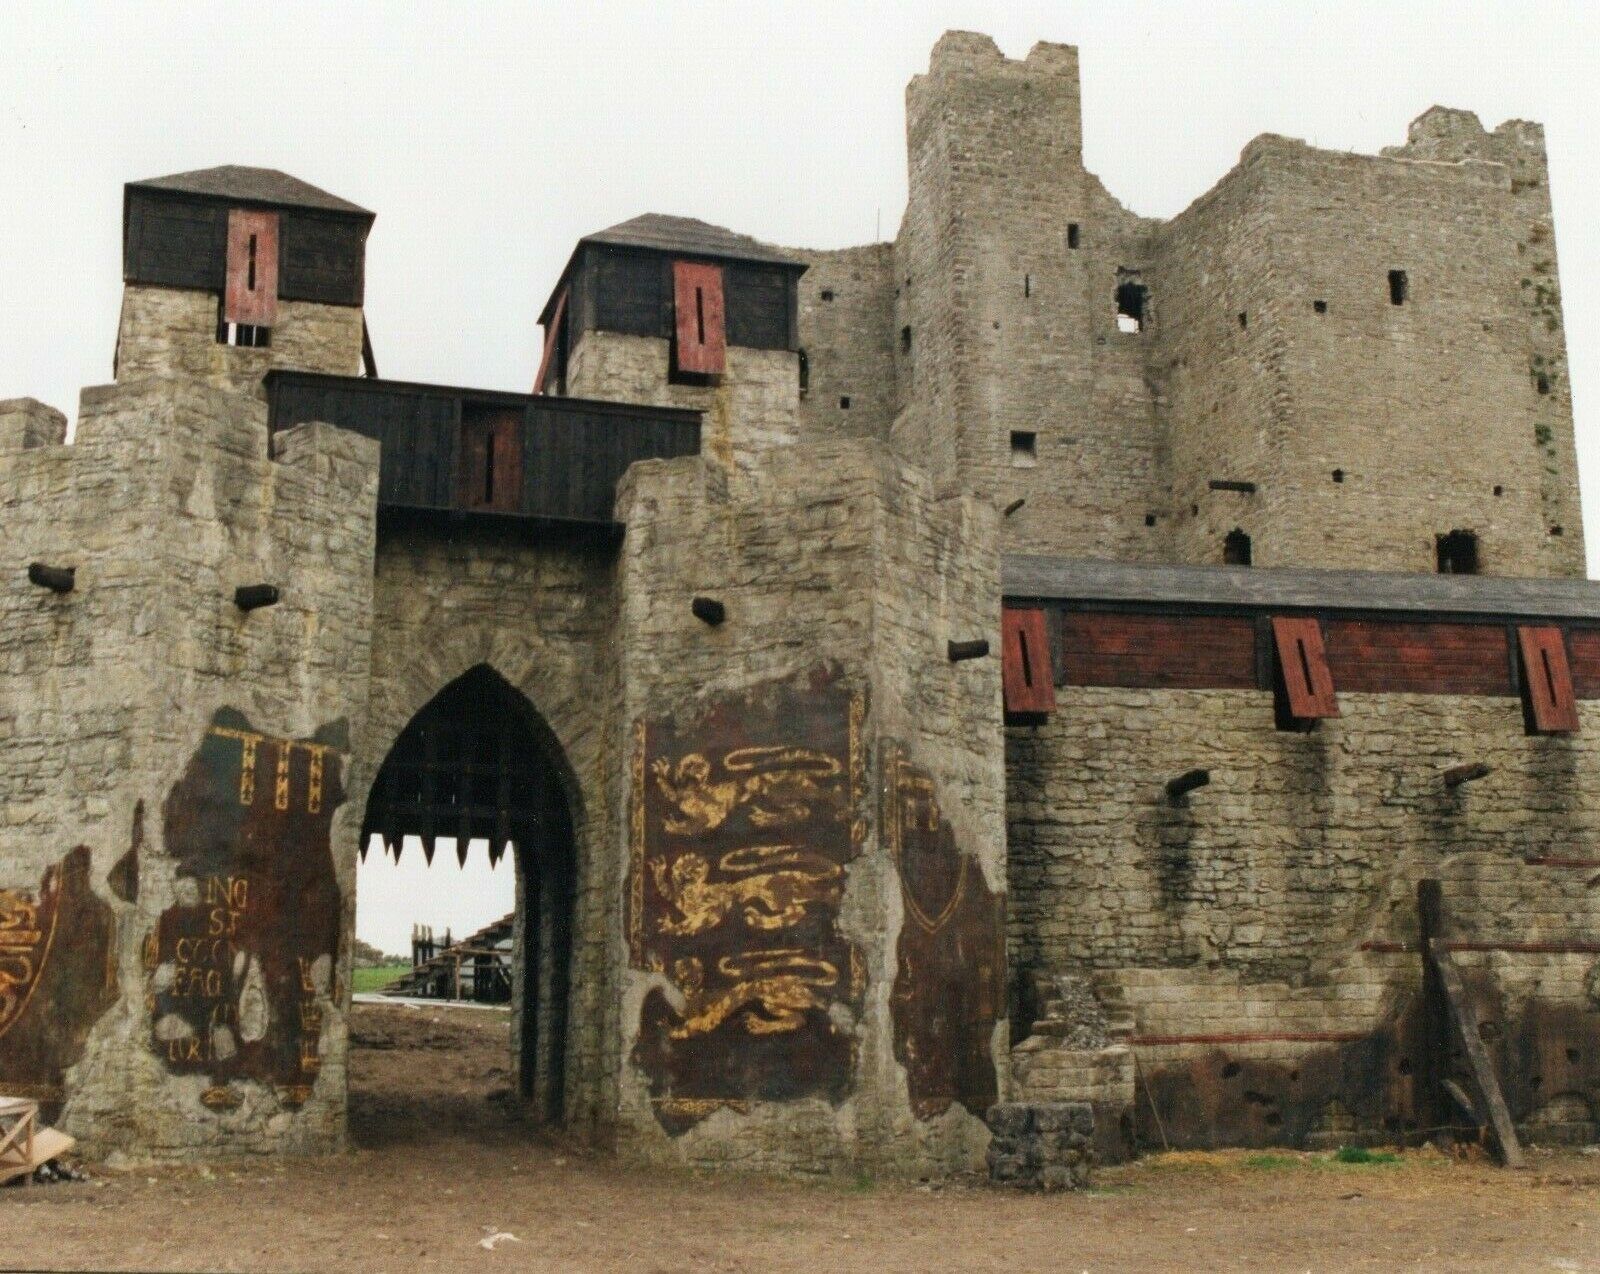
point(439, 1168)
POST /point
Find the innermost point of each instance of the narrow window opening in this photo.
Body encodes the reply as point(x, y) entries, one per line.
point(1338, 475)
point(1073, 237)
point(1027, 659)
point(251, 286)
point(844, 401)
point(1305, 662)
point(1236, 548)
point(1543, 383)
point(700, 313)
point(1549, 676)
point(1321, 307)
point(488, 470)
point(827, 294)
point(905, 340)
point(1399, 287)
point(1131, 302)
point(1024, 449)
point(805, 371)
point(1244, 319)
point(1457, 553)
point(1027, 285)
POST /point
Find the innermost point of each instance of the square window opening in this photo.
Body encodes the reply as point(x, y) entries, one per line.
point(1321, 307)
point(1024, 449)
point(1457, 553)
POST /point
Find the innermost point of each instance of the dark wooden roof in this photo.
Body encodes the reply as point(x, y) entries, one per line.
point(688, 235)
point(681, 236)
point(1077, 579)
point(253, 185)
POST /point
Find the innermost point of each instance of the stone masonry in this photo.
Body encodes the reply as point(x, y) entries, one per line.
point(838, 850)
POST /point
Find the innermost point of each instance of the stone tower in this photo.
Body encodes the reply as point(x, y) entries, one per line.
point(229, 272)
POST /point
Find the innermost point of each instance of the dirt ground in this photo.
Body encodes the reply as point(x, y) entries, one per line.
point(440, 1167)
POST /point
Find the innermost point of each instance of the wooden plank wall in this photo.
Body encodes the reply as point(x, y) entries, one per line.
point(1185, 648)
point(573, 452)
point(178, 242)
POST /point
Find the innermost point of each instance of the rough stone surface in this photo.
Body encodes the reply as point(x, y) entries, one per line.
point(1046, 1145)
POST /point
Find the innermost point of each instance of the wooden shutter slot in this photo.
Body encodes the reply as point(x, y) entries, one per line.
point(250, 293)
point(1548, 697)
point(701, 344)
point(1025, 673)
point(1303, 666)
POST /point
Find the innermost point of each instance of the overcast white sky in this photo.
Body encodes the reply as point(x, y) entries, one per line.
point(489, 137)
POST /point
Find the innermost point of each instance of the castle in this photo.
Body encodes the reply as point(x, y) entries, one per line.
point(1036, 659)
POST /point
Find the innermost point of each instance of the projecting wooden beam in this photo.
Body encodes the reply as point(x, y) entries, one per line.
point(1442, 983)
point(58, 579)
point(708, 610)
point(1186, 782)
point(255, 596)
point(960, 650)
point(1456, 775)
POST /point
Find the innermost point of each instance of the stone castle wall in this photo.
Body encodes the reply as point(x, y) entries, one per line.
point(843, 579)
point(1263, 931)
point(174, 770)
point(173, 332)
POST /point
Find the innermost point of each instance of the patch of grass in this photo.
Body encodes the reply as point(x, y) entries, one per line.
point(376, 977)
point(1360, 1154)
point(1270, 1162)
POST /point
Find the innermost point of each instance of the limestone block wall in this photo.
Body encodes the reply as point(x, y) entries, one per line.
point(1263, 933)
point(854, 354)
point(541, 614)
point(1458, 137)
point(814, 850)
point(173, 332)
point(172, 771)
point(749, 411)
point(1368, 427)
point(1008, 263)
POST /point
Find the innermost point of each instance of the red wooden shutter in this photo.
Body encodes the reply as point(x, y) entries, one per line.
point(1025, 673)
point(251, 294)
point(552, 334)
point(697, 299)
point(1307, 680)
point(1547, 680)
point(490, 476)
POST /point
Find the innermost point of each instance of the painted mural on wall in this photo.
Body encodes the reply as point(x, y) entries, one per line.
point(240, 978)
point(949, 987)
point(57, 977)
point(743, 821)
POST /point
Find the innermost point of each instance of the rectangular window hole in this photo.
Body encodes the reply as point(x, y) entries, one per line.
point(1236, 548)
point(905, 340)
point(1149, 519)
point(1399, 287)
point(1027, 285)
point(1457, 553)
point(1073, 237)
point(1024, 449)
point(1244, 319)
point(827, 294)
point(1321, 307)
point(844, 401)
point(1132, 301)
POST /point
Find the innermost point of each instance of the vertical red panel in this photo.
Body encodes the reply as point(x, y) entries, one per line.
point(552, 335)
point(1547, 680)
point(697, 300)
point(490, 476)
point(1307, 680)
point(1025, 673)
point(251, 293)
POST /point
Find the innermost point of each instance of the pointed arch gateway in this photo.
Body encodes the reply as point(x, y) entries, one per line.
point(478, 762)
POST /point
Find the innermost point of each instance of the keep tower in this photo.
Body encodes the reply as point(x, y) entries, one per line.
point(230, 272)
